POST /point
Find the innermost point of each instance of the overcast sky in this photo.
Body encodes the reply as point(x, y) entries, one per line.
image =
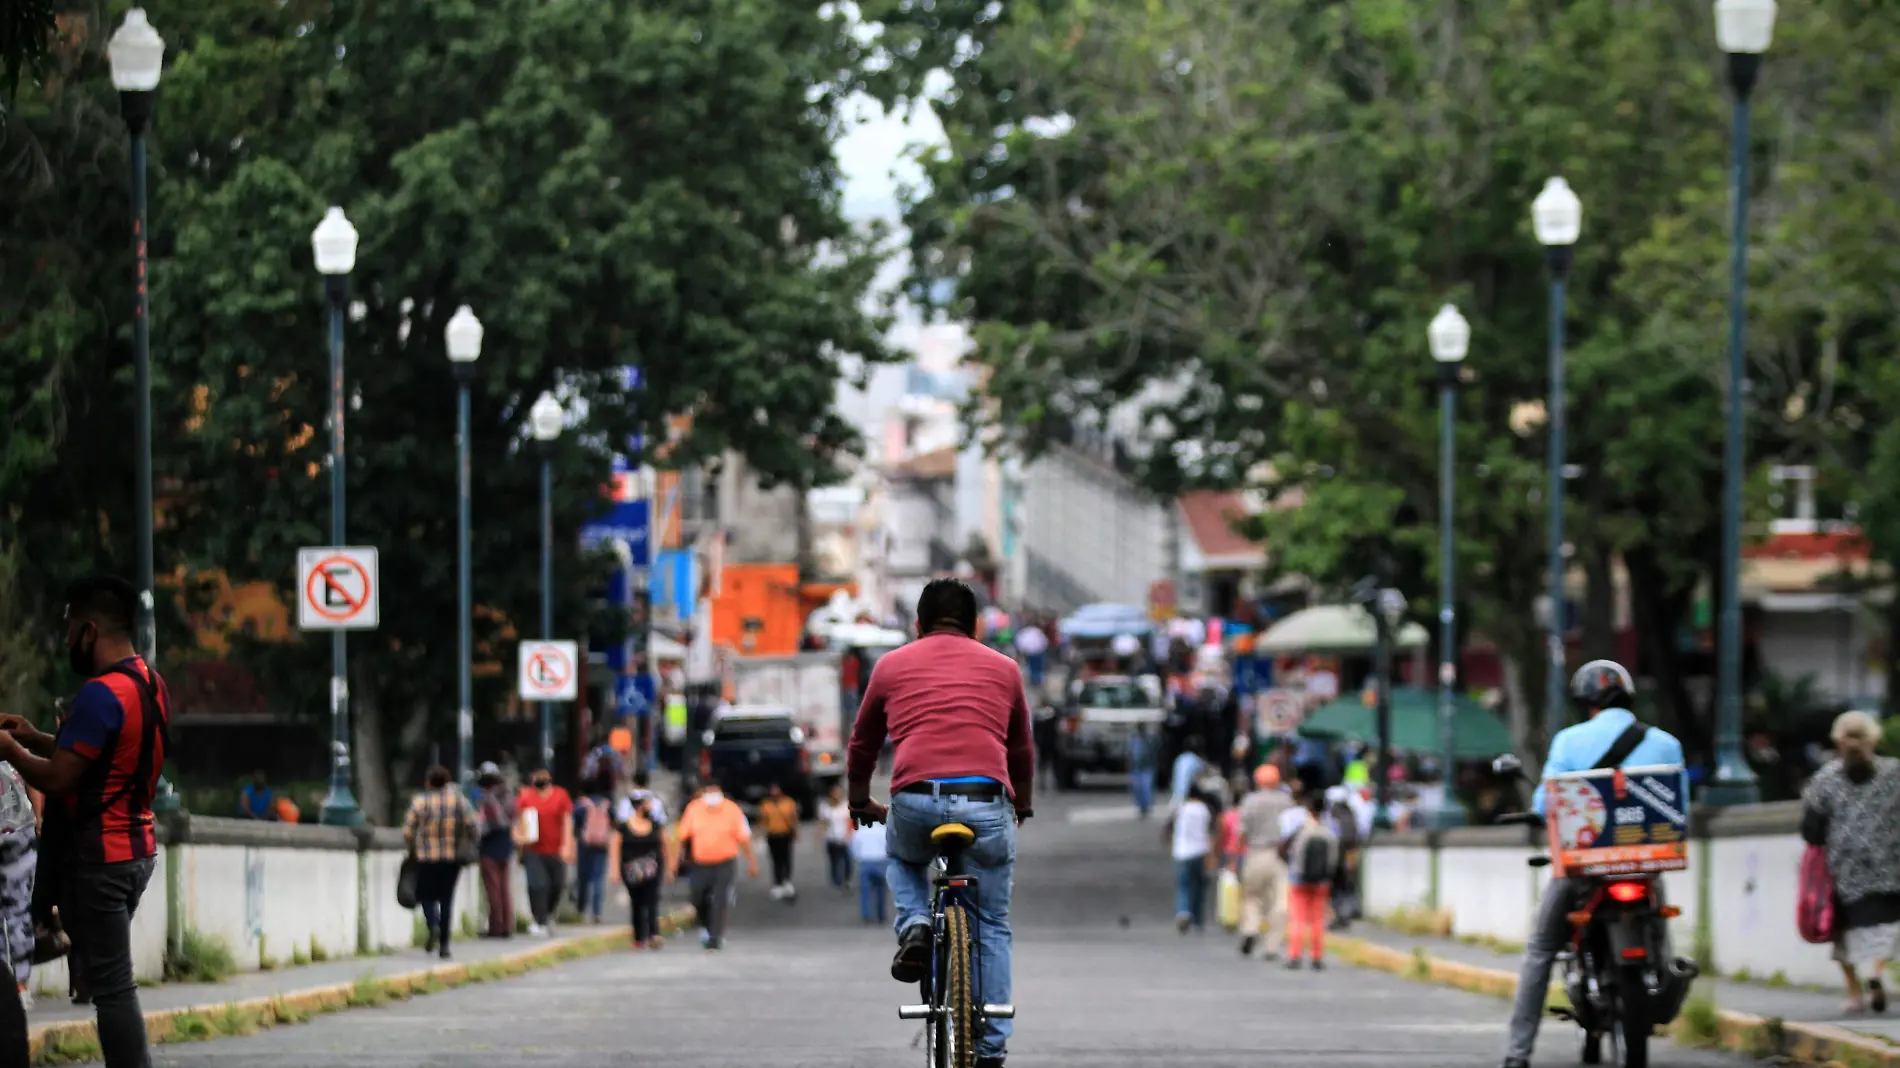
point(872, 157)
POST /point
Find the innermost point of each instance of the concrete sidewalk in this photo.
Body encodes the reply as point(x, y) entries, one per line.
point(1807, 1023)
point(64, 1032)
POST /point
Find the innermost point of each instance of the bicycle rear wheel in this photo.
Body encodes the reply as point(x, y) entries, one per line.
point(956, 1040)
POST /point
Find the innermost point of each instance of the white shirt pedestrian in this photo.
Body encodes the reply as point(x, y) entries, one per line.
point(1193, 830)
point(837, 820)
point(867, 844)
point(1031, 641)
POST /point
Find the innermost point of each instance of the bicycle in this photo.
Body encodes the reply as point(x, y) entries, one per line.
point(950, 1010)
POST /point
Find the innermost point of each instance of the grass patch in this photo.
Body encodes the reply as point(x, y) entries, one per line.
point(1743, 975)
point(318, 954)
point(368, 992)
point(468, 925)
point(71, 1048)
point(283, 1012)
point(418, 931)
point(1699, 1024)
point(192, 1027)
point(1421, 965)
point(1766, 1039)
point(265, 962)
point(201, 958)
point(1777, 980)
point(298, 958)
point(242, 1020)
point(1418, 922)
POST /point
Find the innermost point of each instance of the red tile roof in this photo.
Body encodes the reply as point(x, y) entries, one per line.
point(1821, 545)
point(1210, 517)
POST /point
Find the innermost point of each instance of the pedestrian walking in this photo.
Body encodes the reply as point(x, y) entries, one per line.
point(546, 835)
point(440, 820)
point(869, 850)
point(1188, 769)
point(19, 835)
point(98, 841)
point(779, 813)
point(1851, 808)
point(1193, 834)
point(495, 821)
point(1033, 646)
point(644, 862)
point(713, 835)
point(1312, 855)
point(1345, 823)
point(641, 790)
point(834, 822)
point(1144, 748)
point(594, 826)
point(1262, 871)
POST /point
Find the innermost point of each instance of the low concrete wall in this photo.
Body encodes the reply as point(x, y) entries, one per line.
point(272, 891)
point(1737, 898)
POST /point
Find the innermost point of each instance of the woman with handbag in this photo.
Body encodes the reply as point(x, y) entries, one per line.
point(441, 833)
point(643, 849)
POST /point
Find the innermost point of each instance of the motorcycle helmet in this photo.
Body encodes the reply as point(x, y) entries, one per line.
point(1601, 684)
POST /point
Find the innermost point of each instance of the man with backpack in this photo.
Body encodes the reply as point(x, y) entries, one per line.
point(100, 773)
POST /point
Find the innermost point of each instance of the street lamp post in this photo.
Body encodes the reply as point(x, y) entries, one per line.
point(334, 243)
point(1450, 337)
point(137, 55)
point(464, 336)
point(1557, 216)
point(1744, 29)
point(546, 419)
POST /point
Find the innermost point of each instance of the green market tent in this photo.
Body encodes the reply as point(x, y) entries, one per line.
point(1476, 733)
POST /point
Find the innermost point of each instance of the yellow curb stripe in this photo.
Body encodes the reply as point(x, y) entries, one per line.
point(47, 1040)
point(1809, 1043)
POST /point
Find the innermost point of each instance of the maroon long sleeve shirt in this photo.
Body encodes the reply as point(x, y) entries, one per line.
point(954, 708)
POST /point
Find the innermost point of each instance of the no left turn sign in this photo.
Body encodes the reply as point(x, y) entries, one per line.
point(337, 589)
point(548, 671)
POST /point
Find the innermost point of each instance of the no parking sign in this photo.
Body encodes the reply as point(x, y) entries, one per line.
point(548, 671)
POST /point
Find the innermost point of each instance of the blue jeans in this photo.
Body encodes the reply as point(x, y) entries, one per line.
point(590, 879)
point(991, 858)
point(1190, 890)
point(873, 901)
point(1141, 782)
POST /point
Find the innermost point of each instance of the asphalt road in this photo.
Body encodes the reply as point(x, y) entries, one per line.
point(805, 986)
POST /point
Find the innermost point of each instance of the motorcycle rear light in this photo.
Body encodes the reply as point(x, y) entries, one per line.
point(1578, 919)
point(1628, 892)
point(1635, 953)
point(1670, 912)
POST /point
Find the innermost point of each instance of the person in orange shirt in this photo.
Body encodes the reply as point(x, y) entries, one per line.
point(714, 833)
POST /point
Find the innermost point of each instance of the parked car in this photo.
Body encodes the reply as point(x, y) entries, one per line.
point(747, 748)
point(1099, 720)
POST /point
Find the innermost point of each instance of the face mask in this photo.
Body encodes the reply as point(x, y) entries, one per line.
point(79, 657)
point(542, 784)
point(713, 798)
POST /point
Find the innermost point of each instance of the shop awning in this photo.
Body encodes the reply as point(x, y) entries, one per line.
point(1337, 629)
point(1476, 733)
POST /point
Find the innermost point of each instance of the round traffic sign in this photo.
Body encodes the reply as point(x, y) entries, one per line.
point(1281, 714)
point(549, 671)
point(337, 589)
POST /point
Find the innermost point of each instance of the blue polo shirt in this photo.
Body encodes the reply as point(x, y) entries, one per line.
point(1579, 748)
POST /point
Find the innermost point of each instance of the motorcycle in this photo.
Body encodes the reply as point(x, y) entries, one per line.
point(1621, 978)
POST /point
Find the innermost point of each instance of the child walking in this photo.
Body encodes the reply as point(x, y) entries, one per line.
point(1312, 855)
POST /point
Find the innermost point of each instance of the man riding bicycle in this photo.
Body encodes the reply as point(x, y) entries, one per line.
point(956, 712)
point(1610, 736)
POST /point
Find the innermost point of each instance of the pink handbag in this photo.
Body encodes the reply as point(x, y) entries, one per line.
point(1814, 908)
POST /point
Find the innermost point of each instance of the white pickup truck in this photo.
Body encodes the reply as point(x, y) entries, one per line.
point(1102, 714)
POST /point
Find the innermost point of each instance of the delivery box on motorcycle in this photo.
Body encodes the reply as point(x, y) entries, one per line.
point(1619, 821)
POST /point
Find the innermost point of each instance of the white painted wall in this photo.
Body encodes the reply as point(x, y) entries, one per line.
point(1750, 859)
point(276, 898)
point(1110, 538)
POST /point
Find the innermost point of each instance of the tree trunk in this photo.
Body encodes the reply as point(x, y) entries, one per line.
point(372, 766)
point(1658, 613)
point(1599, 603)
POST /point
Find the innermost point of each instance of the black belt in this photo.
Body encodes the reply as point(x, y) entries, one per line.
point(982, 791)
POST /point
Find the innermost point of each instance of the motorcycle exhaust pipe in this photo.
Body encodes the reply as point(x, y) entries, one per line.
point(1684, 970)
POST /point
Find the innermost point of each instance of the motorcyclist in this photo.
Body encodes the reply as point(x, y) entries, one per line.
point(1601, 690)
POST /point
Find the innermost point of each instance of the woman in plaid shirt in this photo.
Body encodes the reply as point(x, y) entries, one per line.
point(440, 830)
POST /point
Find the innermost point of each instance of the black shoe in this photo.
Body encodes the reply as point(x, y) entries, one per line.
point(1319, 965)
point(913, 954)
point(445, 953)
point(989, 1062)
point(1876, 995)
point(429, 946)
point(1293, 964)
point(1246, 945)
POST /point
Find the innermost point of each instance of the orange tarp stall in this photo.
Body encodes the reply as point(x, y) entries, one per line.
point(759, 611)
